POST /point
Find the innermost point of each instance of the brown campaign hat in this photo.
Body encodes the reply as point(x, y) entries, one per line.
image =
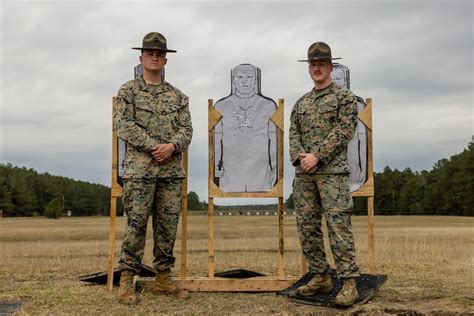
point(319, 51)
point(155, 41)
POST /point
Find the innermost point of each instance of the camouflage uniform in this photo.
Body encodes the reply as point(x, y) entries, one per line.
point(147, 115)
point(322, 123)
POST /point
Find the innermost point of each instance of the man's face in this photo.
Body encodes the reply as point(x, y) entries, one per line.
point(244, 80)
point(153, 60)
point(320, 71)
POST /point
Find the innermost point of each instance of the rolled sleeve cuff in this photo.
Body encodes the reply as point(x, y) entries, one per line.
point(177, 147)
point(150, 145)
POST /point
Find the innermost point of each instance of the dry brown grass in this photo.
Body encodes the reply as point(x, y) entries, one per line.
point(429, 262)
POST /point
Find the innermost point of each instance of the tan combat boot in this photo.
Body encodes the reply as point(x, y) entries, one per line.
point(164, 285)
point(320, 283)
point(348, 294)
point(126, 293)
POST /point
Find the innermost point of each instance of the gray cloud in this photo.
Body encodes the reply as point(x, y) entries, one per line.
point(62, 61)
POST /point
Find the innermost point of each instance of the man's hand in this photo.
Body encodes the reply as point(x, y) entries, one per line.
point(162, 153)
point(309, 163)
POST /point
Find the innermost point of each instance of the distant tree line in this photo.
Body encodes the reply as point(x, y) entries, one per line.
point(445, 190)
point(25, 192)
point(448, 189)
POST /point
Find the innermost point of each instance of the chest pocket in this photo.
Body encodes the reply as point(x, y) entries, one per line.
point(144, 114)
point(328, 112)
point(168, 117)
point(305, 119)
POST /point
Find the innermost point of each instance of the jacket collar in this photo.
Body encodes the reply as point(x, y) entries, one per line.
point(319, 93)
point(144, 86)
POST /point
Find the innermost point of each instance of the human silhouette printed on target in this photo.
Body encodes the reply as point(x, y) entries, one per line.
point(245, 139)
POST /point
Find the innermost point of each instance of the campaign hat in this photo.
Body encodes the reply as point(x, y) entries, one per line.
point(155, 41)
point(319, 51)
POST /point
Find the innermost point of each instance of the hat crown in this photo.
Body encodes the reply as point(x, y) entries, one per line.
point(155, 41)
point(319, 51)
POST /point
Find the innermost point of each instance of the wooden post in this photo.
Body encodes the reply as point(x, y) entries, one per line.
point(110, 269)
point(370, 217)
point(370, 198)
point(210, 204)
point(281, 241)
point(211, 250)
point(184, 219)
point(281, 224)
point(113, 209)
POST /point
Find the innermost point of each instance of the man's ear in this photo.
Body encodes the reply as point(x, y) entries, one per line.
point(140, 58)
point(166, 60)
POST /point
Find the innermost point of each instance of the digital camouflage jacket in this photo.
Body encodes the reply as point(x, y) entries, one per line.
point(323, 122)
point(147, 115)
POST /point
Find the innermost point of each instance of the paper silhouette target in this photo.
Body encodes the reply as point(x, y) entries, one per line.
point(245, 139)
point(357, 149)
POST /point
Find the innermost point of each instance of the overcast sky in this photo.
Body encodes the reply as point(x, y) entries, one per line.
point(62, 61)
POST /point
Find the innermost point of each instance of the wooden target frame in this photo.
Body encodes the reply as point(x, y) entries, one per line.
point(255, 284)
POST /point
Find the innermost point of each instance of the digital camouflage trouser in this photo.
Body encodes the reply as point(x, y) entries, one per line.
point(160, 198)
point(315, 195)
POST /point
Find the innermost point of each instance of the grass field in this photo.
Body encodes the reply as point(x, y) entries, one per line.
point(429, 262)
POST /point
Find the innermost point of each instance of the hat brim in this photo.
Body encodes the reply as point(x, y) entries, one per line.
point(160, 49)
point(314, 59)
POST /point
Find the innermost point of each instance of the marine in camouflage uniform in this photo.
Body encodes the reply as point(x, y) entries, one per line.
point(147, 115)
point(322, 123)
point(153, 118)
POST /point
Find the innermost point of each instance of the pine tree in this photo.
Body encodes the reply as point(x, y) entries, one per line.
point(54, 209)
